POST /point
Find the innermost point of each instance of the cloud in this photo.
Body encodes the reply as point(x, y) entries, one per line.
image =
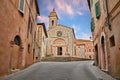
point(50, 5)
point(83, 36)
point(84, 5)
point(76, 28)
point(80, 35)
point(63, 6)
point(64, 9)
point(43, 19)
point(79, 13)
point(71, 7)
point(76, 2)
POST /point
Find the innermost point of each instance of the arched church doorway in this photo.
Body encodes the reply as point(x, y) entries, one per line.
point(59, 51)
point(59, 47)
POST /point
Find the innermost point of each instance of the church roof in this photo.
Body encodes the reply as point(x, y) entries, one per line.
point(53, 14)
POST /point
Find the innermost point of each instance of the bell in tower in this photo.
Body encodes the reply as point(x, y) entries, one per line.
point(53, 19)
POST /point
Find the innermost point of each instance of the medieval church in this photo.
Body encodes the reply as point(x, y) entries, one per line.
point(61, 41)
point(60, 38)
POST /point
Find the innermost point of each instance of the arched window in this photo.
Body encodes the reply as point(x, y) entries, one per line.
point(28, 48)
point(102, 40)
point(17, 40)
point(102, 43)
point(52, 22)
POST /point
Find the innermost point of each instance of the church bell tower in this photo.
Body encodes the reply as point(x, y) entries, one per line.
point(53, 19)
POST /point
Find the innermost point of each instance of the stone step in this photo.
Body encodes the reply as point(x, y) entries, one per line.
point(63, 59)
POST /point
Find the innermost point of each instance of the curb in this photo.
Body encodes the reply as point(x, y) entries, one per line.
point(100, 75)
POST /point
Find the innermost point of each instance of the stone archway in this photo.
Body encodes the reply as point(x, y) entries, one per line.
point(16, 53)
point(17, 40)
point(104, 59)
point(59, 47)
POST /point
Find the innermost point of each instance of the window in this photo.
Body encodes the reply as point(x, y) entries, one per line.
point(28, 48)
point(52, 22)
point(28, 27)
point(59, 33)
point(112, 41)
point(89, 50)
point(97, 9)
point(92, 25)
point(33, 53)
point(31, 27)
point(90, 57)
point(21, 6)
point(17, 40)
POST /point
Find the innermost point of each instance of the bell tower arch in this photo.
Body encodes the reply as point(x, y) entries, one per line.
point(53, 19)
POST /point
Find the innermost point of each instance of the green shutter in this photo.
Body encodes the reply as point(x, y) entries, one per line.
point(92, 25)
point(97, 9)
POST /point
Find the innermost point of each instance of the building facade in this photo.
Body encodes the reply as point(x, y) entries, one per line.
point(84, 49)
point(106, 34)
point(61, 38)
point(41, 41)
point(61, 41)
point(17, 27)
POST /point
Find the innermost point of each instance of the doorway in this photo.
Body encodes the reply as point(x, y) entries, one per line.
point(103, 50)
point(16, 54)
point(96, 55)
point(59, 50)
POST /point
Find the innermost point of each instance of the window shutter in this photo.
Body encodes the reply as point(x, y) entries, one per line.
point(21, 6)
point(97, 9)
point(92, 25)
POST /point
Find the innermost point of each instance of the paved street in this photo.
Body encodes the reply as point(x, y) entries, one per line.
point(81, 70)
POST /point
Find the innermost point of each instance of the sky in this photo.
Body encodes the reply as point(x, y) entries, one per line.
point(71, 13)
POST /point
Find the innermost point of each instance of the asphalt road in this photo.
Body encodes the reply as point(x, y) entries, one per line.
point(55, 71)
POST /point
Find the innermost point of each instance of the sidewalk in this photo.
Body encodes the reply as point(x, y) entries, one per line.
point(100, 75)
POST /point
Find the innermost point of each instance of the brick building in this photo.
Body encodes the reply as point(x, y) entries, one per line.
point(17, 34)
point(106, 34)
point(84, 49)
point(41, 41)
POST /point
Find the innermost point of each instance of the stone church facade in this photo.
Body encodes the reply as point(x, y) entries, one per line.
point(61, 38)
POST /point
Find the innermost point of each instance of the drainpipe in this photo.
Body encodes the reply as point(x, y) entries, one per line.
point(108, 16)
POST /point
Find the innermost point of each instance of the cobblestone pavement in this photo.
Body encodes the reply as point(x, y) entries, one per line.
point(80, 70)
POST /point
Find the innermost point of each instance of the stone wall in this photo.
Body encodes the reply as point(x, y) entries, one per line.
point(67, 38)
